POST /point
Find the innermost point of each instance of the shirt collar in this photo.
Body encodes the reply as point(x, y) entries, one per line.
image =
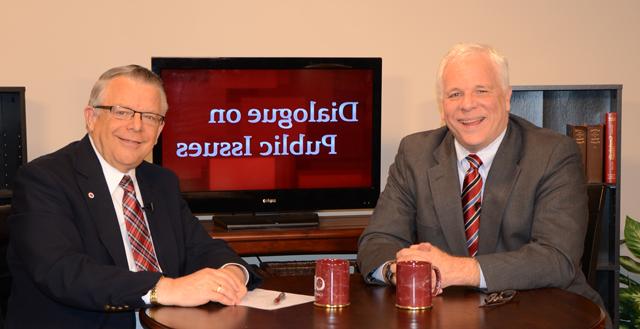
point(487, 154)
point(111, 174)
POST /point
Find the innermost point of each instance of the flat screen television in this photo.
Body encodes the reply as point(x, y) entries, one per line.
point(272, 135)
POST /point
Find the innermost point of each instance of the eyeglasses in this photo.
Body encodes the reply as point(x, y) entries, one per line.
point(499, 298)
point(125, 113)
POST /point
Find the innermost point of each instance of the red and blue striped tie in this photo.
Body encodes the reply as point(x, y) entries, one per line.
point(472, 203)
point(144, 254)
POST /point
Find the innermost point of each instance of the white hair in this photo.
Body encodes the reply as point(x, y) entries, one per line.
point(465, 49)
point(135, 72)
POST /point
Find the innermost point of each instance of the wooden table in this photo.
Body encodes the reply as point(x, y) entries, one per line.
point(374, 307)
point(333, 235)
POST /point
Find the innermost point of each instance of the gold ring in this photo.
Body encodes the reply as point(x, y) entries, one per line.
point(219, 289)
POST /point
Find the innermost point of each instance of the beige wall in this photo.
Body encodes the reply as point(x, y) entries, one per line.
point(58, 48)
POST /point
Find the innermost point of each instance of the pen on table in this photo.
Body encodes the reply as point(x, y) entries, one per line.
point(281, 296)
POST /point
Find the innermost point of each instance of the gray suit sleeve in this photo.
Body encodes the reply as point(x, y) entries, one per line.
point(392, 225)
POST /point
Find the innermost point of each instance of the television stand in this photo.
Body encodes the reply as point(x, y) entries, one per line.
point(265, 220)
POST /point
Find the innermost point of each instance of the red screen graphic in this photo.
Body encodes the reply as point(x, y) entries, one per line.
point(264, 129)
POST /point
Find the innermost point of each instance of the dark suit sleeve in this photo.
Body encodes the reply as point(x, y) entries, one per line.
point(47, 247)
point(203, 251)
point(552, 256)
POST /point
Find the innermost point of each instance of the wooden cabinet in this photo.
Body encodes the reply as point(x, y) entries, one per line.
point(334, 235)
point(554, 107)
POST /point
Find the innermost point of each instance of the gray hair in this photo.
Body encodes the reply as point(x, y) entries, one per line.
point(134, 72)
point(465, 49)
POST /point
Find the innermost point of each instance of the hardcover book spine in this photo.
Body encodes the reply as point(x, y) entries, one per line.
point(579, 134)
point(610, 146)
point(595, 154)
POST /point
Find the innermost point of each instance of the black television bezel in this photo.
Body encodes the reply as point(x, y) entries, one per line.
point(13, 124)
point(287, 200)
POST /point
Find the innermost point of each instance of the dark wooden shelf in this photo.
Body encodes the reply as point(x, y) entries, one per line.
point(607, 267)
point(337, 234)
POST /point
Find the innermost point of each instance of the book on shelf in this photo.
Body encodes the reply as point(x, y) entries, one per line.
point(595, 154)
point(579, 134)
point(610, 146)
point(590, 140)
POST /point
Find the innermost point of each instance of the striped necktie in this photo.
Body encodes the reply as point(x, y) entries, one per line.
point(142, 249)
point(472, 203)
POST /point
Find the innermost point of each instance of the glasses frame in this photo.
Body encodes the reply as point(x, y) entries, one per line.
point(499, 298)
point(133, 112)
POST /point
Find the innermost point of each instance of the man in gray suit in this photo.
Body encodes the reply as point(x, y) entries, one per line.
point(526, 224)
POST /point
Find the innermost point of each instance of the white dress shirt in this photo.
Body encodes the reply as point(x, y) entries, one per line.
point(487, 155)
point(113, 177)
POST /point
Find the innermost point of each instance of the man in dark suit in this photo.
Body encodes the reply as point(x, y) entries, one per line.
point(525, 201)
point(97, 232)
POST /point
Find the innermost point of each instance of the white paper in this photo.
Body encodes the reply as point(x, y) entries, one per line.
point(263, 299)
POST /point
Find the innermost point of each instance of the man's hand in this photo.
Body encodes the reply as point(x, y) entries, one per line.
point(224, 285)
point(455, 271)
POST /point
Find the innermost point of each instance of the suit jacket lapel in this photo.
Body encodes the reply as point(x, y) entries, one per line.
point(500, 182)
point(445, 190)
point(158, 226)
point(95, 192)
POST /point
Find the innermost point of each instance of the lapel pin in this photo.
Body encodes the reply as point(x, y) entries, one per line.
point(91, 195)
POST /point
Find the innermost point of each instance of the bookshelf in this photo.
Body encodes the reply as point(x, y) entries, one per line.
point(13, 143)
point(554, 107)
point(13, 154)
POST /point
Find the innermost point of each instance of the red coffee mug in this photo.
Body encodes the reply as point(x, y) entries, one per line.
point(331, 283)
point(413, 284)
